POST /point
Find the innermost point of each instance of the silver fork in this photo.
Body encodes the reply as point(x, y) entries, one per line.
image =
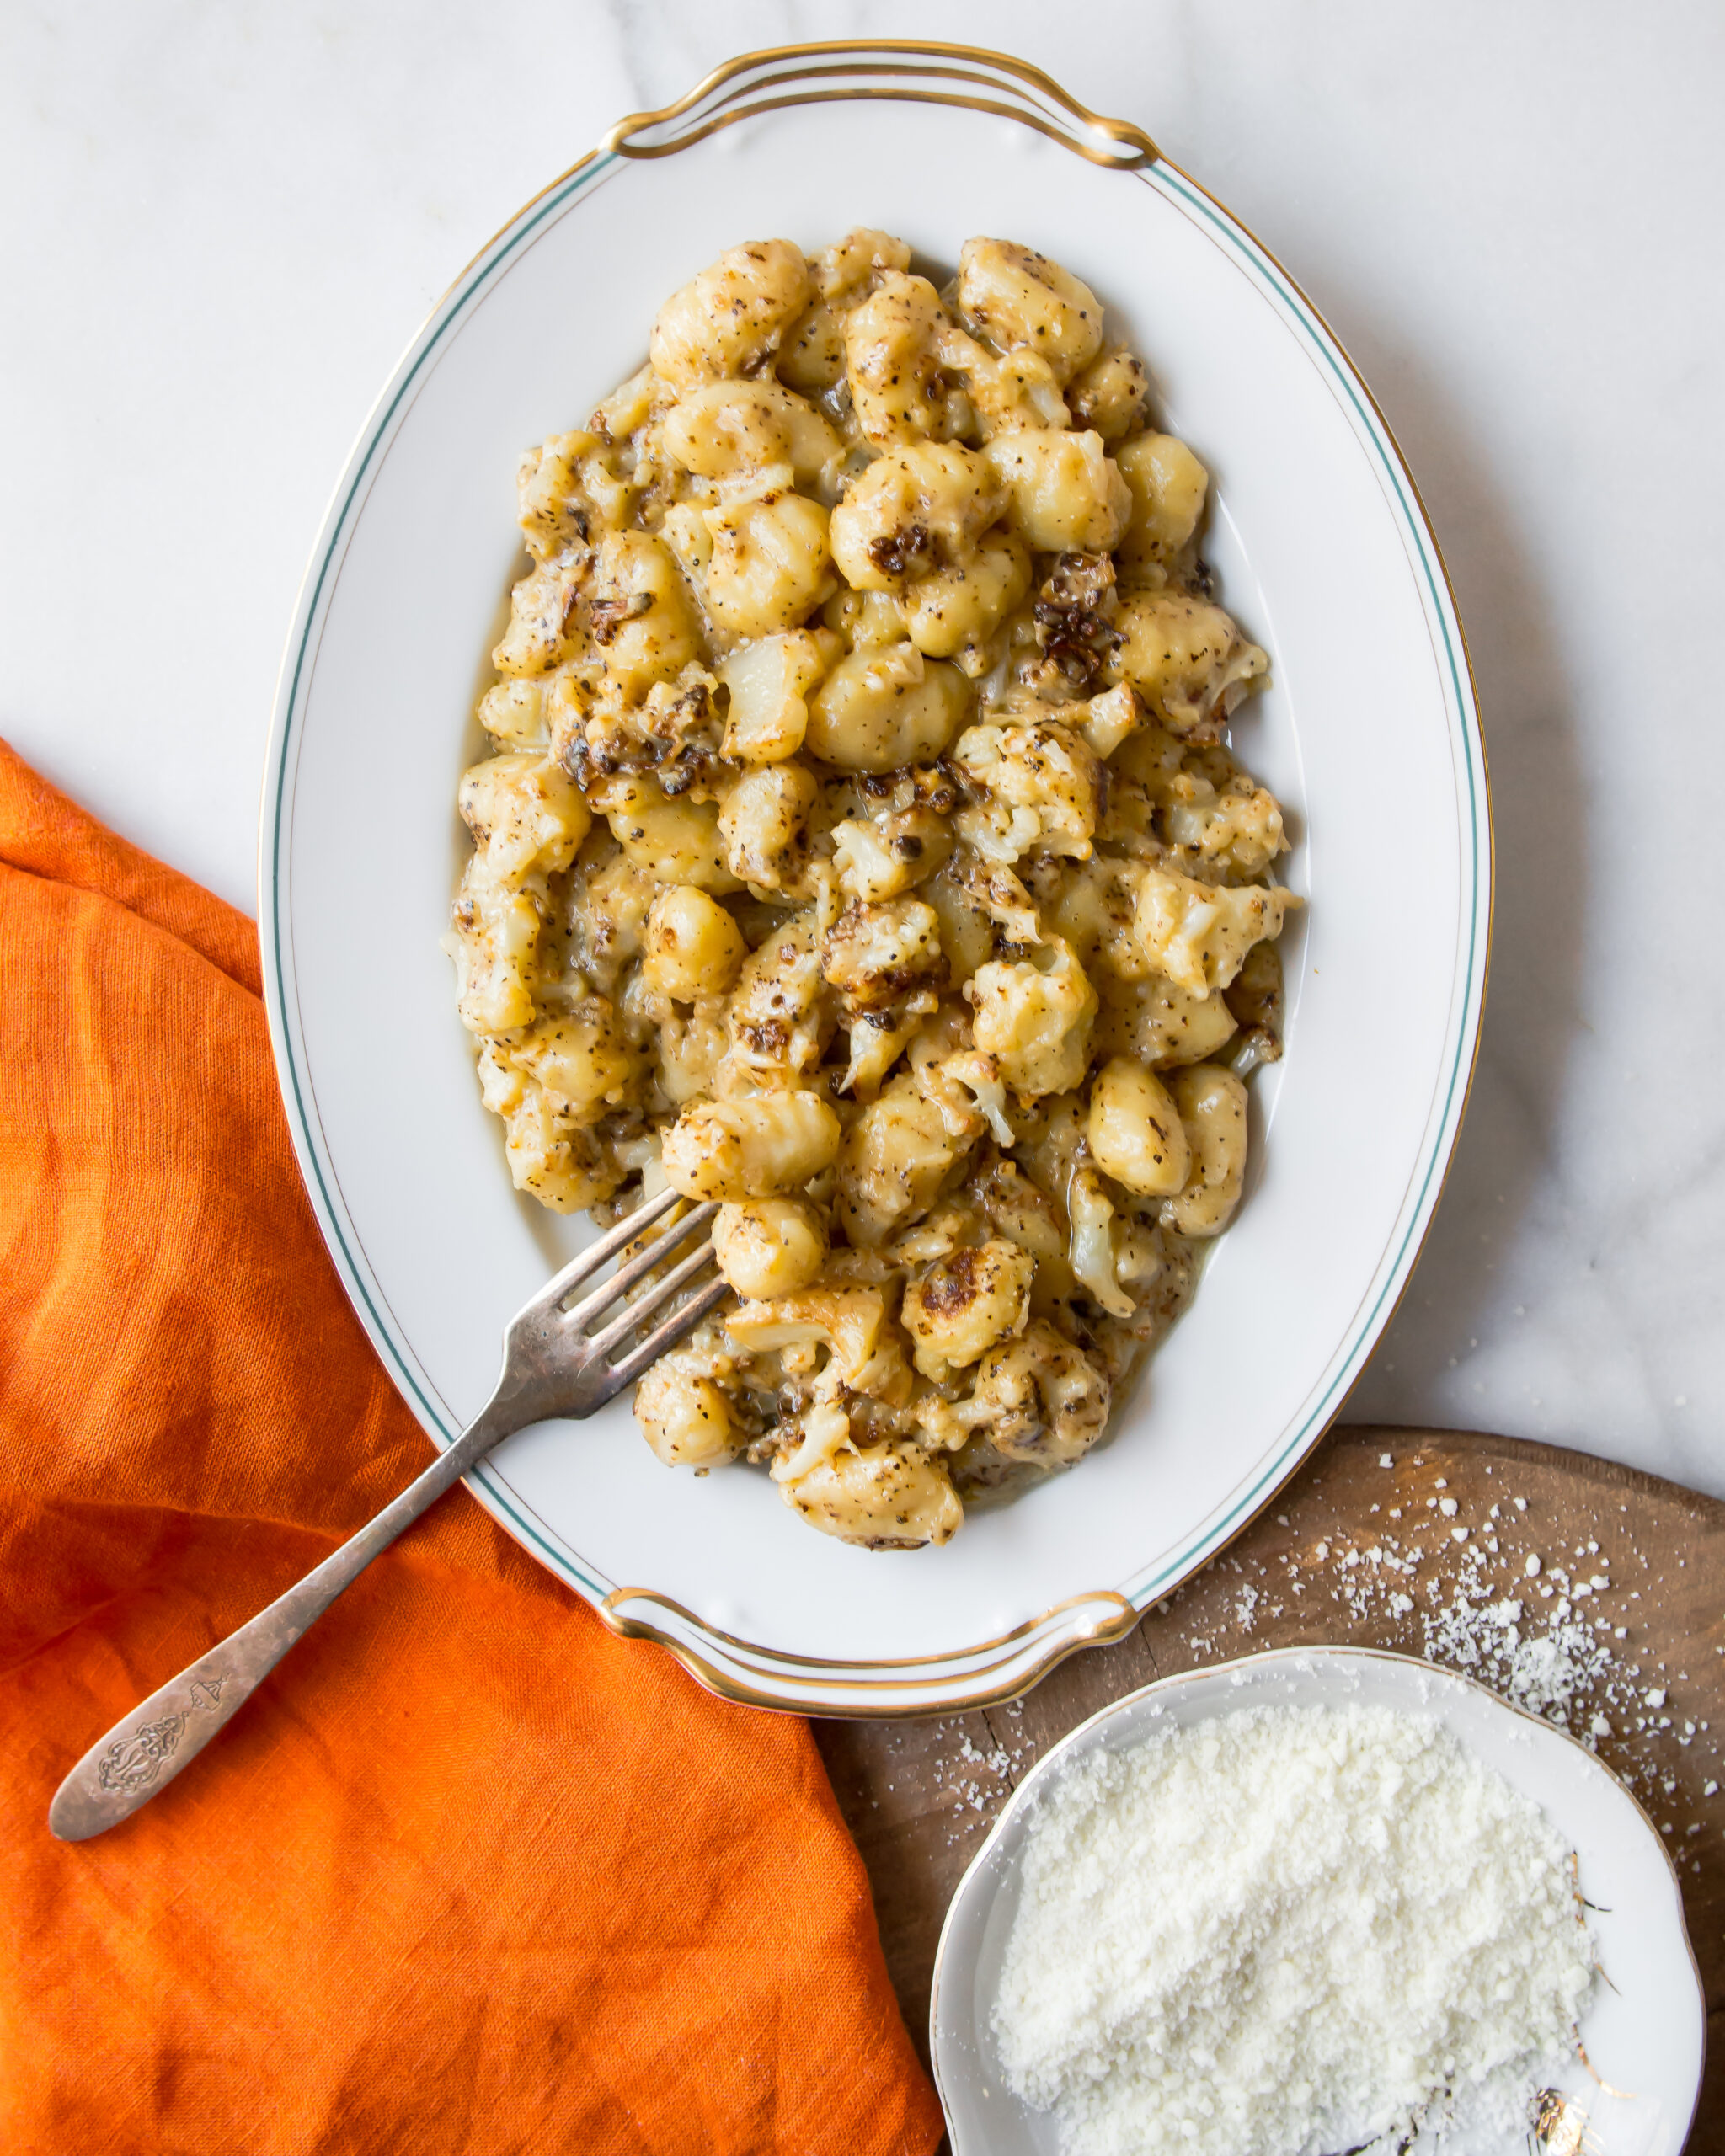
point(552, 1365)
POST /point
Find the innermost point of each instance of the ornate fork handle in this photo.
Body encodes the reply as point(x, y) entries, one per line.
point(143, 1752)
point(554, 1364)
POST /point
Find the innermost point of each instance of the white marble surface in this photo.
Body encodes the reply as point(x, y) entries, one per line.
point(221, 226)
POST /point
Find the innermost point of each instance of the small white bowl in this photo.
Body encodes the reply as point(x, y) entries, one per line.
point(1644, 2033)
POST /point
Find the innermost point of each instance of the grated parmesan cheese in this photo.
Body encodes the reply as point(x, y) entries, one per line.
point(1285, 1932)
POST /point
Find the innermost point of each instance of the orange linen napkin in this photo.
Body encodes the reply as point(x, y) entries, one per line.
point(469, 1875)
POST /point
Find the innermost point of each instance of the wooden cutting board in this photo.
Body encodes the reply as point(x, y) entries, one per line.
point(1383, 1539)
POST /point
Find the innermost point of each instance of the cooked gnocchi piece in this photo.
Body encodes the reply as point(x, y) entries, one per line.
point(860, 847)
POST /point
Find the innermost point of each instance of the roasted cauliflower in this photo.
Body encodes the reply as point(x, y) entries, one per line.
point(859, 848)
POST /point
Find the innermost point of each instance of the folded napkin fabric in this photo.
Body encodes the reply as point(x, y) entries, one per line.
point(469, 1875)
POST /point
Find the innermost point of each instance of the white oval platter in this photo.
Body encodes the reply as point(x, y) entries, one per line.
point(1369, 732)
point(1644, 2033)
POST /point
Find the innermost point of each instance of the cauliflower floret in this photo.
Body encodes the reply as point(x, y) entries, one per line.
point(581, 1059)
point(544, 616)
point(514, 710)
point(1035, 1018)
point(1016, 1208)
point(876, 1038)
point(877, 860)
point(1198, 934)
point(880, 955)
point(1004, 390)
point(887, 962)
point(885, 1496)
point(961, 1306)
point(1108, 721)
point(917, 508)
point(865, 1362)
point(1032, 789)
point(731, 316)
point(897, 390)
point(525, 816)
point(1006, 910)
point(494, 944)
point(1039, 1399)
point(867, 1355)
point(549, 1157)
point(1235, 832)
point(766, 1146)
point(1014, 296)
point(673, 736)
point(777, 1027)
point(567, 495)
point(958, 1077)
point(1091, 1251)
point(769, 1246)
point(1186, 659)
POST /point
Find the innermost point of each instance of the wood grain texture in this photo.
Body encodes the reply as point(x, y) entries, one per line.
point(1357, 1552)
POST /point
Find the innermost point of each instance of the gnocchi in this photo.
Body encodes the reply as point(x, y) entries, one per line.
point(859, 848)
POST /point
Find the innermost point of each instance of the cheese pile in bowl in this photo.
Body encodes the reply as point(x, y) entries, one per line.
point(861, 849)
point(1290, 1931)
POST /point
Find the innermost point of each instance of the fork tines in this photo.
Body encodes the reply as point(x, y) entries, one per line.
point(637, 1265)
